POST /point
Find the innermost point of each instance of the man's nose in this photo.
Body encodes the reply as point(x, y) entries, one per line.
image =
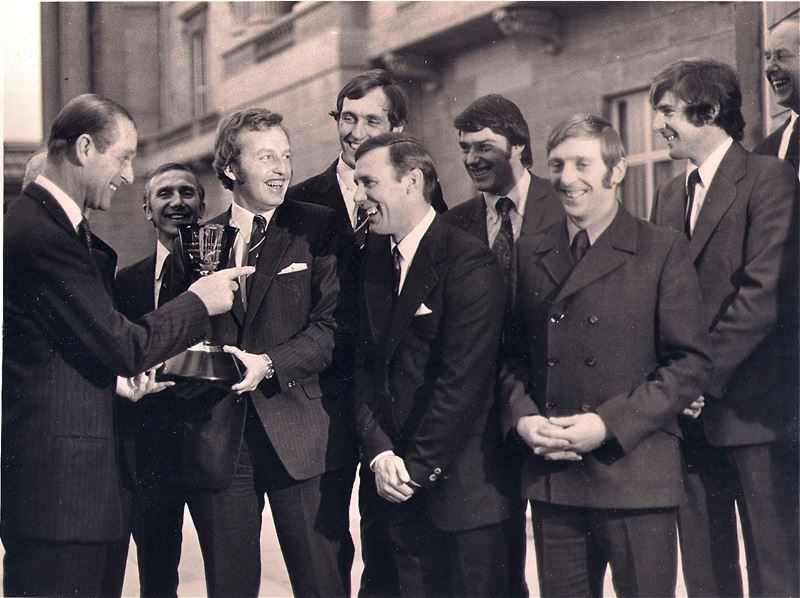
point(658, 121)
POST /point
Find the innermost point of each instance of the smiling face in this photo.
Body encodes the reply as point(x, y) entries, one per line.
point(585, 186)
point(108, 170)
point(685, 140)
point(782, 63)
point(263, 171)
point(492, 163)
point(361, 119)
point(393, 204)
point(174, 199)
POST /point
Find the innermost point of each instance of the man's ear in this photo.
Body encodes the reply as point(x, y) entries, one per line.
point(148, 212)
point(516, 151)
point(711, 114)
point(618, 172)
point(415, 181)
point(229, 172)
point(84, 148)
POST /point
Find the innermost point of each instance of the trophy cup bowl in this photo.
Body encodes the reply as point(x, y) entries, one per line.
point(205, 248)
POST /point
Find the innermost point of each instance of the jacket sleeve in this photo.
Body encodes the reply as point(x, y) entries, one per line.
point(683, 356)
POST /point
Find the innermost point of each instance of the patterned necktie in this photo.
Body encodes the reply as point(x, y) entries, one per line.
point(166, 277)
point(579, 245)
point(503, 246)
point(397, 271)
point(691, 185)
point(794, 146)
point(361, 229)
point(85, 234)
point(256, 239)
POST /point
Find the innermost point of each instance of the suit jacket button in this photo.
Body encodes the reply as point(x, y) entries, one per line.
point(291, 384)
point(556, 318)
point(553, 361)
point(586, 408)
point(437, 471)
point(593, 319)
point(432, 477)
point(590, 361)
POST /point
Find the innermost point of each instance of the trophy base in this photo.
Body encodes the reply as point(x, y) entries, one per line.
point(202, 361)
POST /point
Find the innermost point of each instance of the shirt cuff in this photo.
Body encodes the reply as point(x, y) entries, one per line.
point(378, 456)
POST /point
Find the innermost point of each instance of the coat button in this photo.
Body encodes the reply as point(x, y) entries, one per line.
point(590, 361)
point(552, 362)
point(593, 319)
point(437, 471)
point(432, 477)
point(585, 408)
point(548, 405)
point(556, 318)
point(291, 384)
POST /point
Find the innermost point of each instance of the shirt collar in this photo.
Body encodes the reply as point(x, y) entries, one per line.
point(346, 175)
point(409, 244)
point(161, 255)
point(518, 195)
point(710, 165)
point(242, 219)
point(596, 229)
point(71, 209)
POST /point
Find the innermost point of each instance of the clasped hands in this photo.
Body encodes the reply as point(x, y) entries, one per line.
point(562, 438)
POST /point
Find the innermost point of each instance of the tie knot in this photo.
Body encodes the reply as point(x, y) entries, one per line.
point(259, 222)
point(504, 205)
point(579, 245)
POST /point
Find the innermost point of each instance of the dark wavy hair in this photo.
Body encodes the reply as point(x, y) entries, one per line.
point(703, 84)
point(362, 84)
point(226, 146)
point(85, 114)
point(503, 117)
point(405, 154)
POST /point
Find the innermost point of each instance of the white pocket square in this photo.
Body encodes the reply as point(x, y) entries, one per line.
point(423, 310)
point(295, 267)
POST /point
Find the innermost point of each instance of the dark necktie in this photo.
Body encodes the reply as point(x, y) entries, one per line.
point(397, 271)
point(579, 245)
point(691, 185)
point(503, 246)
point(794, 146)
point(166, 278)
point(256, 240)
point(362, 228)
point(85, 234)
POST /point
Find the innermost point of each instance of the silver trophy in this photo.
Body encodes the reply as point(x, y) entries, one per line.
point(205, 248)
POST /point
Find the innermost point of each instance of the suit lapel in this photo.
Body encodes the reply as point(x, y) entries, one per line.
point(422, 277)
point(534, 208)
point(276, 240)
point(719, 197)
point(672, 206)
point(553, 249)
point(477, 219)
point(609, 252)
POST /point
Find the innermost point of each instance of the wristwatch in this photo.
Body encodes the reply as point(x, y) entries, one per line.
point(270, 369)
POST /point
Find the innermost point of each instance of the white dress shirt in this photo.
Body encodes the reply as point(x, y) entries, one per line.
point(347, 185)
point(519, 197)
point(161, 256)
point(242, 219)
point(706, 170)
point(410, 243)
point(72, 209)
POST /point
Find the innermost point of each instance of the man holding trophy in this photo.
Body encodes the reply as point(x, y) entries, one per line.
point(274, 432)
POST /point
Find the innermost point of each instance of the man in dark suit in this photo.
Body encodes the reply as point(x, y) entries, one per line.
point(279, 432)
point(739, 211)
point(369, 104)
point(782, 56)
point(173, 195)
point(63, 523)
point(431, 305)
point(496, 145)
point(617, 347)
